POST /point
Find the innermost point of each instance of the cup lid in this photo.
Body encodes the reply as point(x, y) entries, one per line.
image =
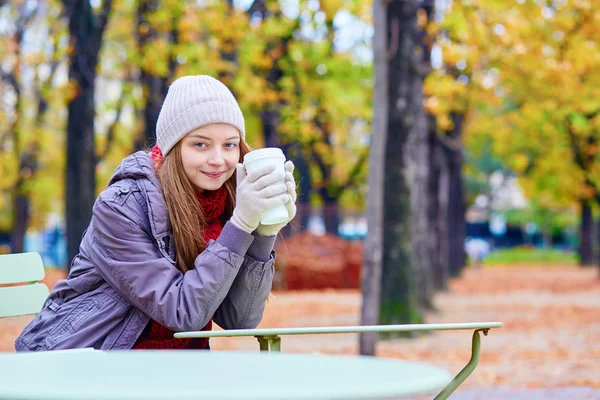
point(267, 152)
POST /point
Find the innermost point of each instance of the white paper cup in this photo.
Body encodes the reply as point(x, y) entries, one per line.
point(268, 156)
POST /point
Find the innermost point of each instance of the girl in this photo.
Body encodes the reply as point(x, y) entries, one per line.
point(175, 240)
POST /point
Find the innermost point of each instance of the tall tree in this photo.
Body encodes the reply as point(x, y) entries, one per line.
point(405, 211)
point(420, 153)
point(373, 251)
point(295, 79)
point(587, 234)
point(27, 130)
point(457, 227)
point(156, 75)
point(27, 158)
point(438, 196)
point(528, 71)
point(86, 28)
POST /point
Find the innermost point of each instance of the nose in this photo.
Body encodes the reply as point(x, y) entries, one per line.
point(216, 157)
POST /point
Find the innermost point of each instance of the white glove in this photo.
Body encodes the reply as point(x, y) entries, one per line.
point(259, 191)
point(272, 230)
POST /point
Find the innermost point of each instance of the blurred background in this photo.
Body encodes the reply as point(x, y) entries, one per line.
point(490, 180)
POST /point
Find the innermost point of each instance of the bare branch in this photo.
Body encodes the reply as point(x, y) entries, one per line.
point(578, 26)
point(173, 39)
point(453, 144)
point(354, 174)
point(580, 160)
point(103, 16)
point(257, 6)
point(69, 8)
point(10, 79)
point(319, 160)
point(110, 133)
point(42, 102)
point(21, 23)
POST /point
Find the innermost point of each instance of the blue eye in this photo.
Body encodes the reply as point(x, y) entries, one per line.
point(199, 144)
point(231, 145)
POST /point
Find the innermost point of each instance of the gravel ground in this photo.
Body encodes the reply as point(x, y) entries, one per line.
point(548, 349)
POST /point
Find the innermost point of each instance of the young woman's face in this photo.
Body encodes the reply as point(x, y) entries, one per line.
point(210, 154)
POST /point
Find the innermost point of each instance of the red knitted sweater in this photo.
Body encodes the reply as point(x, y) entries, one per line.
point(156, 336)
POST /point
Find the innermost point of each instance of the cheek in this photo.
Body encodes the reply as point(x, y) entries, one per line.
point(232, 159)
point(190, 161)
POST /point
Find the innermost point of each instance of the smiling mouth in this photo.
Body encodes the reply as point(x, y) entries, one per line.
point(213, 175)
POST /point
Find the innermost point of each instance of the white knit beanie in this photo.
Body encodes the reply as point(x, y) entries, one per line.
point(192, 102)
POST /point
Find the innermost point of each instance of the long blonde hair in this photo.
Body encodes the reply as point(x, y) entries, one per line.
point(186, 216)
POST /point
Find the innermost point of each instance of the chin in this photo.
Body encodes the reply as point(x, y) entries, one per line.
point(210, 185)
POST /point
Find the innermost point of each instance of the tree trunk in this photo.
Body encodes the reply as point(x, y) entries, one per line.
point(270, 117)
point(81, 179)
point(399, 297)
point(417, 166)
point(596, 252)
point(419, 155)
point(155, 87)
point(229, 51)
point(86, 30)
point(373, 250)
point(438, 210)
point(28, 166)
point(586, 231)
point(21, 222)
point(304, 188)
point(330, 194)
point(547, 237)
point(457, 227)
point(26, 154)
point(331, 216)
point(271, 114)
point(270, 122)
point(330, 202)
point(20, 200)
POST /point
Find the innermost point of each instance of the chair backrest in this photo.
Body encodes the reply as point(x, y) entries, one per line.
point(25, 269)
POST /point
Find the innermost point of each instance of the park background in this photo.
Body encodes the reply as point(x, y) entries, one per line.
point(484, 113)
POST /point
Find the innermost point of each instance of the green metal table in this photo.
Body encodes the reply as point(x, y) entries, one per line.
point(270, 340)
point(154, 375)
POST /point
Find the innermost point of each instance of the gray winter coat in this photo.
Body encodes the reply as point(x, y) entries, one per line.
point(125, 275)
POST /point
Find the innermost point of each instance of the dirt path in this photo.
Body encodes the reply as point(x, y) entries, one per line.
point(551, 337)
point(549, 347)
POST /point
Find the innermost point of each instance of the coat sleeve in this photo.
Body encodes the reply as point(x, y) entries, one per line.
point(127, 257)
point(244, 305)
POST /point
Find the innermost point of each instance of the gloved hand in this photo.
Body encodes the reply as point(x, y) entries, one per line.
point(259, 191)
point(271, 230)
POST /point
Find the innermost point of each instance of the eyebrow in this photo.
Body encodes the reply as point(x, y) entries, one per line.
point(195, 135)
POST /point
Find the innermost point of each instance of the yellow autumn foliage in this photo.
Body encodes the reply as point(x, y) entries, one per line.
point(532, 71)
point(322, 93)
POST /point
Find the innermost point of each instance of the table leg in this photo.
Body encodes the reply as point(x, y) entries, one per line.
point(263, 343)
point(269, 343)
point(466, 371)
point(275, 343)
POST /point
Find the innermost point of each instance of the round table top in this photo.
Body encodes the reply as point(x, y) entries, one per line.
point(150, 375)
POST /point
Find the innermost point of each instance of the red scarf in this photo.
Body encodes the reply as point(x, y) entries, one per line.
point(156, 336)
